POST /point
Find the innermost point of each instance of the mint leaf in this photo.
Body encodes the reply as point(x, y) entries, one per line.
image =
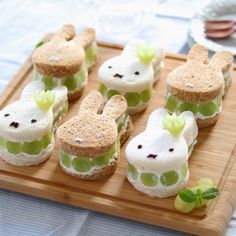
point(210, 193)
point(39, 44)
point(188, 195)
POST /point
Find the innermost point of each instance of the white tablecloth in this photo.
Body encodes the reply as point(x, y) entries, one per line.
point(22, 25)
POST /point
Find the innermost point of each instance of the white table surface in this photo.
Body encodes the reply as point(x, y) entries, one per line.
point(22, 25)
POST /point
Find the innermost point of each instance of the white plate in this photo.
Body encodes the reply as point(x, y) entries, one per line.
point(215, 10)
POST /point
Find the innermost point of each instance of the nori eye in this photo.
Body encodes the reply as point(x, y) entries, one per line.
point(136, 73)
point(6, 115)
point(140, 146)
point(109, 67)
point(33, 121)
point(171, 149)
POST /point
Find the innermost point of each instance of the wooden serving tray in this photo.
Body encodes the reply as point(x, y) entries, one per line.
point(214, 157)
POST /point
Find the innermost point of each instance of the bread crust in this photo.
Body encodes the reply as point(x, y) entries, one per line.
point(207, 122)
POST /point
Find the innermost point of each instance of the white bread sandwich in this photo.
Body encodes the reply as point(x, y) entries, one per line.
point(158, 157)
point(26, 128)
point(129, 76)
point(158, 60)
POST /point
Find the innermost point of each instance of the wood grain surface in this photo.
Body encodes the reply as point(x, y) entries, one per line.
point(214, 157)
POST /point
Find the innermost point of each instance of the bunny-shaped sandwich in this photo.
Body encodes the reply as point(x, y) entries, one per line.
point(90, 141)
point(60, 105)
point(130, 76)
point(158, 157)
point(26, 126)
point(197, 86)
point(62, 60)
point(158, 60)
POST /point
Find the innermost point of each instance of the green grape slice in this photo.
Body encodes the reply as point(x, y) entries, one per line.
point(149, 179)
point(207, 109)
point(186, 106)
point(32, 148)
point(183, 206)
point(132, 171)
point(172, 103)
point(14, 147)
point(81, 76)
point(49, 82)
point(104, 159)
point(65, 159)
point(184, 170)
point(46, 140)
point(133, 99)
point(91, 54)
point(169, 178)
point(3, 142)
point(102, 88)
point(146, 95)
point(206, 181)
point(81, 164)
point(111, 93)
point(70, 82)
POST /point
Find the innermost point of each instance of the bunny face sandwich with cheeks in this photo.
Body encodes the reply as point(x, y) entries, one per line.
point(130, 76)
point(90, 141)
point(26, 126)
point(158, 157)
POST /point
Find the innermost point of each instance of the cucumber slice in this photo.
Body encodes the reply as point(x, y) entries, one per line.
point(207, 109)
point(186, 106)
point(133, 99)
point(183, 206)
point(172, 103)
point(169, 178)
point(32, 148)
point(146, 95)
point(132, 171)
point(102, 88)
point(149, 179)
point(81, 164)
point(65, 159)
point(14, 147)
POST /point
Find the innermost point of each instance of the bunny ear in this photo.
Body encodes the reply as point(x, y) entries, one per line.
point(31, 88)
point(86, 37)
point(115, 107)
point(198, 53)
point(222, 60)
point(92, 103)
point(155, 120)
point(67, 32)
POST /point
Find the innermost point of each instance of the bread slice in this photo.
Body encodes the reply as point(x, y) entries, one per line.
point(61, 56)
point(90, 134)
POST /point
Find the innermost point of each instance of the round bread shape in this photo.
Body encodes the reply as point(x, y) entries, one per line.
point(195, 82)
point(126, 74)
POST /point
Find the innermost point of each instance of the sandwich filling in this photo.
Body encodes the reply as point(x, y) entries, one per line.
point(83, 165)
point(30, 148)
point(91, 53)
point(73, 82)
point(134, 99)
point(60, 113)
point(122, 124)
point(158, 184)
point(201, 111)
point(228, 77)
